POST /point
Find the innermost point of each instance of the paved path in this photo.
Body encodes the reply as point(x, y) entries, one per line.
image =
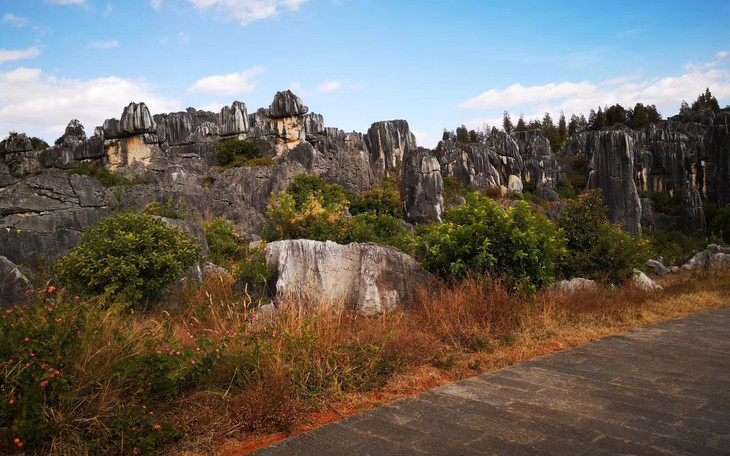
point(659, 390)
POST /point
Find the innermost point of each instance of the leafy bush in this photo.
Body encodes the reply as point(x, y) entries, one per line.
point(255, 275)
point(104, 176)
point(236, 152)
point(720, 224)
point(482, 237)
point(171, 208)
point(312, 209)
point(224, 245)
point(73, 368)
point(596, 248)
point(74, 129)
point(453, 189)
point(674, 244)
point(128, 257)
point(664, 202)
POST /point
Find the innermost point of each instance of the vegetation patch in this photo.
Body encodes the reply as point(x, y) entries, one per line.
point(104, 176)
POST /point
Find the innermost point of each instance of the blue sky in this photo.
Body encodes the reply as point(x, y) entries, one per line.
point(437, 64)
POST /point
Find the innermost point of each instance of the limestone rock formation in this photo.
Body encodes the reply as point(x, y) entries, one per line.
point(574, 284)
point(233, 120)
point(43, 216)
point(387, 143)
point(422, 188)
point(136, 120)
point(473, 165)
point(13, 284)
point(713, 257)
point(368, 277)
point(286, 104)
point(539, 163)
point(657, 267)
point(611, 163)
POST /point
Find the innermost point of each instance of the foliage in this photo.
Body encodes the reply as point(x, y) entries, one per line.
point(706, 101)
point(128, 257)
point(104, 176)
point(596, 248)
point(224, 245)
point(381, 200)
point(236, 152)
point(173, 208)
point(74, 130)
point(720, 224)
point(453, 189)
point(482, 237)
point(313, 209)
point(673, 245)
point(38, 143)
point(665, 202)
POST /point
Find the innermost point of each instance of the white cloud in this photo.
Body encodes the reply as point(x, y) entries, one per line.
point(14, 20)
point(228, 84)
point(102, 44)
point(7, 55)
point(576, 98)
point(245, 11)
point(41, 104)
point(109, 9)
point(65, 2)
point(329, 86)
point(426, 139)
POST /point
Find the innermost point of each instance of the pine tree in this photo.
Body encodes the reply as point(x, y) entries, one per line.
point(507, 123)
point(639, 119)
point(600, 121)
point(562, 128)
point(521, 125)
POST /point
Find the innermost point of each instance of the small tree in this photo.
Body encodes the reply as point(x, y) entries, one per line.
point(507, 123)
point(74, 132)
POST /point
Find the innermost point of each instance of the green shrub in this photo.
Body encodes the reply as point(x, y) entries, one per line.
point(224, 245)
point(482, 237)
point(73, 371)
point(171, 208)
point(128, 257)
point(233, 152)
point(255, 275)
point(664, 202)
point(720, 224)
point(453, 189)
point(674, 244)
point(381, 200)
point(313, 209)
point(596, 248)
point(104, 176)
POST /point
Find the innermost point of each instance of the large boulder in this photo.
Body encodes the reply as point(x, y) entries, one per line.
point(643, 282)
point(422, 188)
point(233, 120)
point(369, 278)
point(136, 120)
point(713, 257)
point(13, 284)
point(387, 143)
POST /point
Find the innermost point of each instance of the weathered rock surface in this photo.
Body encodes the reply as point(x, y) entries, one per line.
point(368, 277)
point(387, 143)
point(611, 163)
point(422, 188)
point(234, 120)
point(43, 216)
point(13, 284)
point(574, 284)
point(713, 257)
point(286, 104)
point(643, 281)
point(657, 267)
point(136, 120)
point(539, 163)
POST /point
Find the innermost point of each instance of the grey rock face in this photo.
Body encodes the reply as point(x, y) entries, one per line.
point(136, 120)
point(314, 124)
point(574, 284)
point(539, 164)
point(13, 284)
point(342, 159)
point(387, 143)
point(286, 104)
point(611, 163)
point(475, 165)
point(17, 143)
point(233, 120)
point(713, 257)
point(642, 281)
point(657, 267)
point(422, 188)
point(370, 278)
point(44, 215)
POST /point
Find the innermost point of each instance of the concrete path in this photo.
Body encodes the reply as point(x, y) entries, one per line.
point(659, 390)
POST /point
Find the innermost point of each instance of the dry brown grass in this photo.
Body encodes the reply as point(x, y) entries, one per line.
point(452, 332)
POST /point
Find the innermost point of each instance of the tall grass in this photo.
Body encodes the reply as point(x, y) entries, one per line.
point(257, 373)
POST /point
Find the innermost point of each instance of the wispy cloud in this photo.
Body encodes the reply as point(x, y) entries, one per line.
point(227, 84)
point(244, 11)
point(102, 44)
point(109, 10)
point(580, 97)
point(14, 20)
point(330, 86)
point(42, 104)
point(180, 38)
point(156, 4)
point(8, 55)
